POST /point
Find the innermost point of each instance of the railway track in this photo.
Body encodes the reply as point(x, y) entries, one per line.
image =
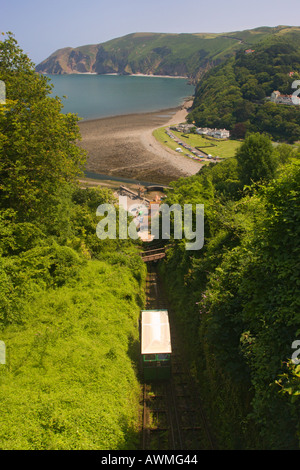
point(173, 417)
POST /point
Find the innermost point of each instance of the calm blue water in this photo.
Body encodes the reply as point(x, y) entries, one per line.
point(97, 96)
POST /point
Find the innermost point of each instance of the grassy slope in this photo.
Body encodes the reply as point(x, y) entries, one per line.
point(69, 381)
point(158, 52)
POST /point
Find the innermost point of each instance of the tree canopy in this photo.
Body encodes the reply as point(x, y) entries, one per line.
point(237, 299)
point(256, 159)
point(235, 93)
point(39, 155)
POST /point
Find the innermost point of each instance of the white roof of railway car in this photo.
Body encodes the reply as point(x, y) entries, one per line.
point(156, 337)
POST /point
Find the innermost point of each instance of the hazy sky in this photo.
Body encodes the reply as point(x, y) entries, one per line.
point(41, 27)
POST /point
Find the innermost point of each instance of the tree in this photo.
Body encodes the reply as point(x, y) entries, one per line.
point(239, 130)
point(39, 155)
point(256, 159)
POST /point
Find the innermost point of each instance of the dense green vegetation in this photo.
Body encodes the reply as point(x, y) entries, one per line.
point(69, 382)
point(233, 94)
point(69, 302)
point(237, 299)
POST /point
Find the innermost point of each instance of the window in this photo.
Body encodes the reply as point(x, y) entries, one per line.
point(163, 357)
point(149, 357)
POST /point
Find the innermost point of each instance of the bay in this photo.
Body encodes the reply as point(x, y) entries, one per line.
point(98, 96)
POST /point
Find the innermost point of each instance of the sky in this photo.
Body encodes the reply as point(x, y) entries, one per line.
point(41, 27)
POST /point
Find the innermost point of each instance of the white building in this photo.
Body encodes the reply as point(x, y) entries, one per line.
point(183, 127)
point(278, 98)
point(216, 133)
point(202, 130)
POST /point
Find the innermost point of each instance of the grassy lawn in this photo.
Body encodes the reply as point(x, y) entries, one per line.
point(223, 148)
point(163, 138)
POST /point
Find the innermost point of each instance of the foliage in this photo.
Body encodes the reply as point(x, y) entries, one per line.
point(69, 382)
point(39, 157)
point(256, 159)
point(233, 94)
point(70, 324)
point(237, 300)
point(69, 303)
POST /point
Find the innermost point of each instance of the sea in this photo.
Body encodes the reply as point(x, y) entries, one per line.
point(97, 96)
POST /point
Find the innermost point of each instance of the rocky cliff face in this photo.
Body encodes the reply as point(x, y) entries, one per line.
point(79, 61)
point(74, 61)
point(69, 60)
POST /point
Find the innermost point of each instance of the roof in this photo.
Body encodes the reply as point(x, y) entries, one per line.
point(155, 332)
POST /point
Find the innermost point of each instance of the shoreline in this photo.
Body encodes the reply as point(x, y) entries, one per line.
point(125, 115)
point(121, 75)
point(145, 75)
point(123, 146)
point(185, 104)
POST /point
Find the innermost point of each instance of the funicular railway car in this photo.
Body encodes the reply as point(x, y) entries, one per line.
point(155, 345)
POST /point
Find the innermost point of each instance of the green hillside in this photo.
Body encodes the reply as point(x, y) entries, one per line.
point(153, 53)
point(235, 94)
